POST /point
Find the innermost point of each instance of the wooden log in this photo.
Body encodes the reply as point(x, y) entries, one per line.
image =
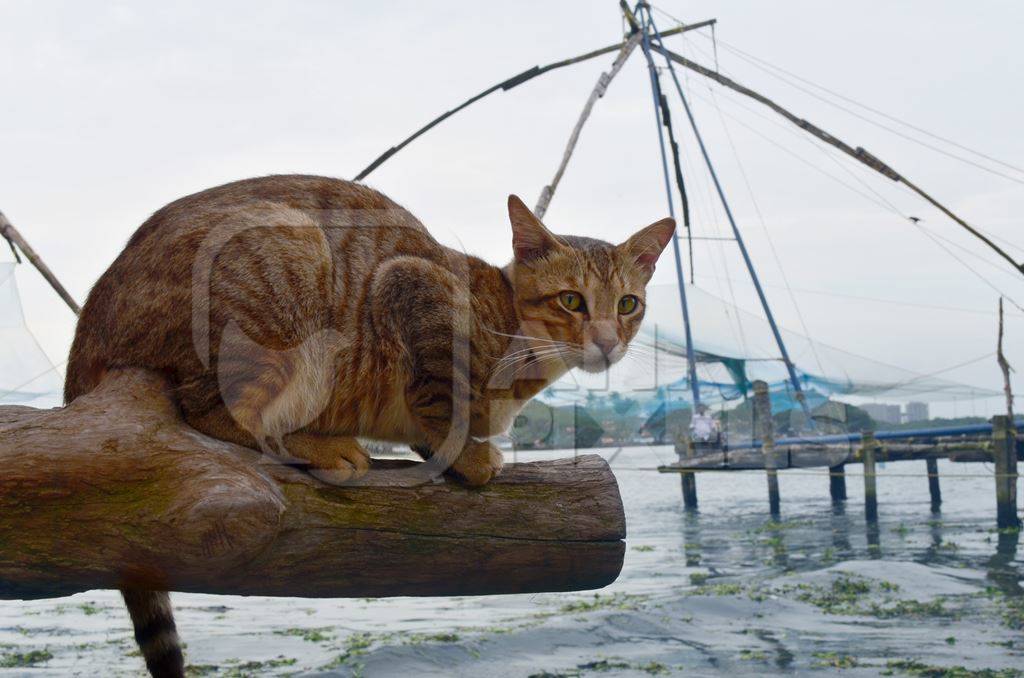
point(1004, 454)
point(766, 431)
point(933, 484)
point(115, 490)
point(869, 447)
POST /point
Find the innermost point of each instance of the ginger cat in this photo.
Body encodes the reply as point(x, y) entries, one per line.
point(294, 313)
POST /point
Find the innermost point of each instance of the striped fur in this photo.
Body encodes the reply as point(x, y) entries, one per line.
point(155, 632)
point(294, 313)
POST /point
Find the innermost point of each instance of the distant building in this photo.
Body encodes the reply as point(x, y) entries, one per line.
point(917, 412)
point(883, 413)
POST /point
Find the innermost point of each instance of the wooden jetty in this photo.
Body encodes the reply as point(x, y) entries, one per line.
point(997, 443)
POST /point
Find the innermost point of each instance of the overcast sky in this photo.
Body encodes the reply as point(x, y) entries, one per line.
point(112, 110)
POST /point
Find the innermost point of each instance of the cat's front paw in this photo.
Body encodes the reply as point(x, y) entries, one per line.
point(333, 460)
point(479, 463)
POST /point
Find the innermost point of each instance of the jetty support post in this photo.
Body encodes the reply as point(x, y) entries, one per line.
point(688, 479)
point(933, 483)
point(1004, 453)
point(837, 483)
point(868, 449)
point(766, 431)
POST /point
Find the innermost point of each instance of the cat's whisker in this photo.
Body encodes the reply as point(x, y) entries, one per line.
point(548, 357)
point(521, 336)
point(526, 352)
point(537, 354)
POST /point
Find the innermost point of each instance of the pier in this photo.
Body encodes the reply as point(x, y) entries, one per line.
point(996, 443)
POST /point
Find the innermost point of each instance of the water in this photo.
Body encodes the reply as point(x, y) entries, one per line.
point(721, 591)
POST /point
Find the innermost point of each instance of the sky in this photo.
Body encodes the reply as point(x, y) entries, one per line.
point(111, 111)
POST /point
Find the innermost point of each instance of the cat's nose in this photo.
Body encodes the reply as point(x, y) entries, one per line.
point(606, 344)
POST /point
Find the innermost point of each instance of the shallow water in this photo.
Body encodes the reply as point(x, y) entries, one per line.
point(723, 590)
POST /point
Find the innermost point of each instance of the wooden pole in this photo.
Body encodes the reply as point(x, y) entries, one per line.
point(1004, 367)
point(688, 479)
point(508, 84)
point(1004, 454)
point(763, 428)
point(12, 235)
point(115, 490)
point(933, 483)
point(859, 154)
point(837, 483)
point(868, 448)
point(600, 88)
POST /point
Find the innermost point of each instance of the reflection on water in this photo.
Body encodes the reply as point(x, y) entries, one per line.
point(722, 589)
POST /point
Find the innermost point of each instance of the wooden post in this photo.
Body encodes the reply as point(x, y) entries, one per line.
point(684, 449)
point(837, 482)
point(765, 430)
point(1004, 453)
point(116, 490)
point(868, 448)
point(933, 484)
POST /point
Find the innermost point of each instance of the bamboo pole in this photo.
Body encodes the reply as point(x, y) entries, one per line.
point(859, 154)
point(115, 490)
point(599, 89)
point(12, 235)
point(506, 85)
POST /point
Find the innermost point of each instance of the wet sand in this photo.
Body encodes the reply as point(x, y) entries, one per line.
point(722, 591)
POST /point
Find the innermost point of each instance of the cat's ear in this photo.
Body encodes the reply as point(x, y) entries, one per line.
point(647, 244)
point(530, 239)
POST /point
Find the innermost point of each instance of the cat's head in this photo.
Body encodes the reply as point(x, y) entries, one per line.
point(581, 298)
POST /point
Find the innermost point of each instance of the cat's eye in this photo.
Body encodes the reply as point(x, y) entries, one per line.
point(572, 301)
point(628, 304)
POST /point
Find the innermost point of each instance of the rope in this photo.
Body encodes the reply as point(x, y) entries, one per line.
point(761, 64)
point(885, 204)
point(666, 119)
point(733, 98)
point(764, 227)
point(897, 302)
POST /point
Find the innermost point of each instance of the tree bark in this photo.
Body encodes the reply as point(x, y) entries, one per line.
point(116, 490)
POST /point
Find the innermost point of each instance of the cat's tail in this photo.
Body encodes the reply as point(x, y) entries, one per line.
point(153, 619)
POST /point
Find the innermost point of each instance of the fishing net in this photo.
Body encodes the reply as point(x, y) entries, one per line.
point(27, 377)
point(650, 390)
